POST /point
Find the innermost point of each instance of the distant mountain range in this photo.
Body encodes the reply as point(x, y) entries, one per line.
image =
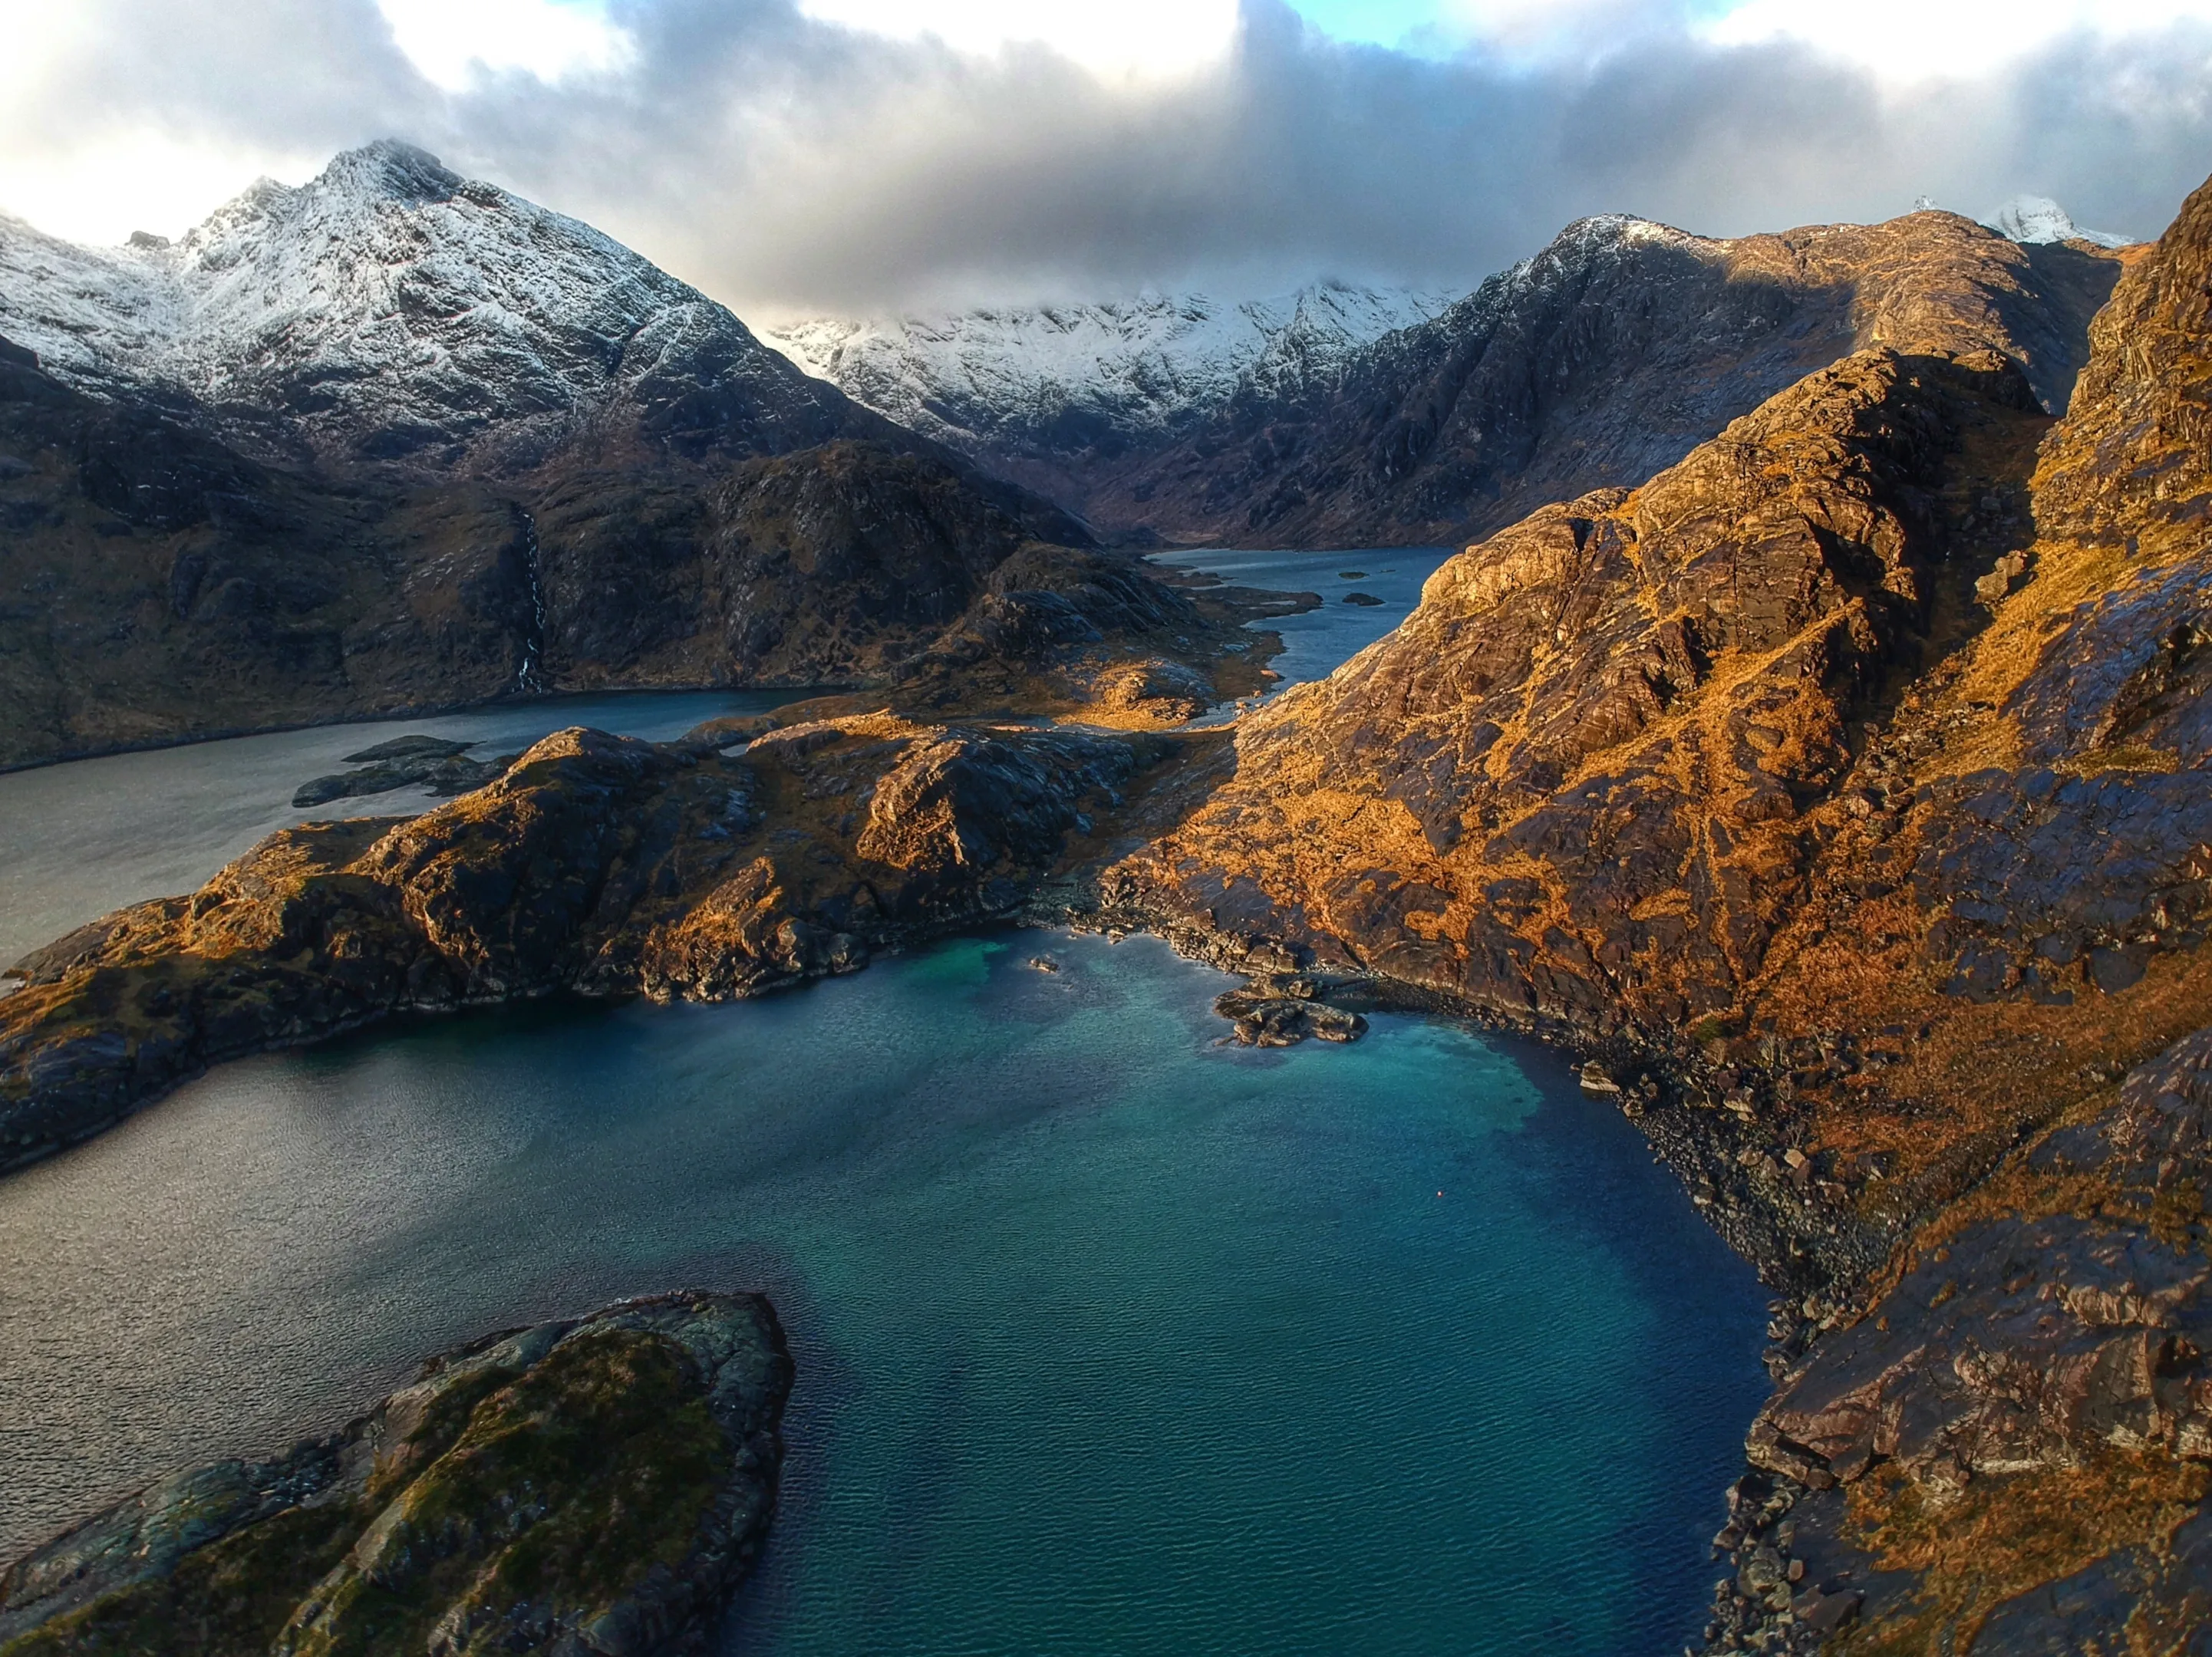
point(1347, 417)
point(1050, 393)
point(396, 439)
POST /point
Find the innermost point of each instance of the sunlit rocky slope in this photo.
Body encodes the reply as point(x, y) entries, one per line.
point(1844, 787)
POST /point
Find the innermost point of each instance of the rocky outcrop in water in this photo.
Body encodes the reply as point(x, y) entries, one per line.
point(437, 767)
point(595, 863)
point(593, 1484)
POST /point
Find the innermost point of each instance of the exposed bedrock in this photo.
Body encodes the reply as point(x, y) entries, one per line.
point(1844, 791)
point(596, 864)
point(598, 1485)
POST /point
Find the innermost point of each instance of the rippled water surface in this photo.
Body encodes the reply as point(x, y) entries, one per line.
point(81, 839)
point(1110, 1338)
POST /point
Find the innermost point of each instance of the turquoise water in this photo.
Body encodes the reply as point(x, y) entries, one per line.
point(1110, 1338)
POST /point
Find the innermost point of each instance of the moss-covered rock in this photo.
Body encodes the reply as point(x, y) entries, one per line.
point(596, 1485)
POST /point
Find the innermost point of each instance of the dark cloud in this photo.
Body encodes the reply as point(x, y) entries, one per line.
point(782, 163)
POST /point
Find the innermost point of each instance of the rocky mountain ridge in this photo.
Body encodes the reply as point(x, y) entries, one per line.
point(389, 311)
point(1603, 358)
point(1608, 356)
point(1049, 394)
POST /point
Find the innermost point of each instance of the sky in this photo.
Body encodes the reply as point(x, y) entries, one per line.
point(799, 157)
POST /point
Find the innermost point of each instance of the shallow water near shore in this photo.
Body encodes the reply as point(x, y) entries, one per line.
point(1110, 1338)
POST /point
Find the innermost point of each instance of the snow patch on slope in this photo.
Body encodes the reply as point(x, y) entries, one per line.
point(2038, 219)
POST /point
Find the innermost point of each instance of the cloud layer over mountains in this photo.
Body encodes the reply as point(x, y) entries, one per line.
point(782, 162)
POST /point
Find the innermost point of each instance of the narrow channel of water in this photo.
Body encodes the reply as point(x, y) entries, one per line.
point(1317, 641)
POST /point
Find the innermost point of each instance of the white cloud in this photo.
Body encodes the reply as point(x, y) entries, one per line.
point(455, 42)
point(1113, 37)
point(98, 193)
point(1918, 39)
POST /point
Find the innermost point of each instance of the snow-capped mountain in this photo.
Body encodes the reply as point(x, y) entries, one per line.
point(390, 309)
point(2037, 221)
point(1042, 382)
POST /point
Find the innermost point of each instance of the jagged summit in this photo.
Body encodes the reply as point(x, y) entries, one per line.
point(390, 310)
point(2038, 221)
point(1037, 383)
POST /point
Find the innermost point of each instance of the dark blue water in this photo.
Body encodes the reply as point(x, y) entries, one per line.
point(1111, 1339)
point(1315, 642)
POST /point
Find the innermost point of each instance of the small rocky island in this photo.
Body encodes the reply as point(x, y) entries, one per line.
point(597, 1484)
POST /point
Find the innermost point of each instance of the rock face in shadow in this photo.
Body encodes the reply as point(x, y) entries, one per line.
point(597, 1484)
point(1609, 356)
point(169, 586)
point(595, 863)
point(163, 584)
point(397, 441)
point(1844, 790)
point(829, 566)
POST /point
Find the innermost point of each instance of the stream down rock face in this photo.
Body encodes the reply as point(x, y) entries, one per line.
point(592, 1485)
point(1847, 789)
point(596, 864)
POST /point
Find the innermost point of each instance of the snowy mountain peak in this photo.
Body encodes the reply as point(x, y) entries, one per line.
point(389, 310)
point(2038, 219)
point(391, 169)
point(1050, 377)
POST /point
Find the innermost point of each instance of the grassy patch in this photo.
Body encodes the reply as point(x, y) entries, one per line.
point(2003, 1537)
point(566, 1487)
point(227, 1599)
